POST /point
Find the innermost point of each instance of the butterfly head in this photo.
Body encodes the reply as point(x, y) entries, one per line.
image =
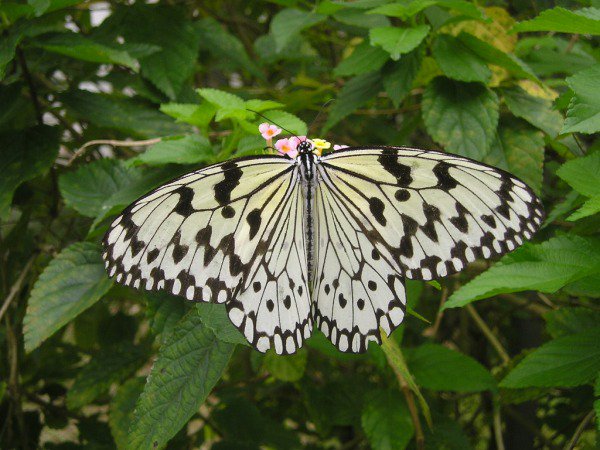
point(305, 147)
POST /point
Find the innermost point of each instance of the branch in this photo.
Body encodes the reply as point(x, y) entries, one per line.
point(488, 334)
point(32, 90)
point(14, 290)
point(579, 431)
point(112, 142)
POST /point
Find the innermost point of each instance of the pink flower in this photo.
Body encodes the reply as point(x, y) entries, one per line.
point(287, 146)
point(339, 147)
point(297, 139)
point(268, 131)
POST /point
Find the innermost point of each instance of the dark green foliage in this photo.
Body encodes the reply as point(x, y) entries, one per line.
point(101, 102)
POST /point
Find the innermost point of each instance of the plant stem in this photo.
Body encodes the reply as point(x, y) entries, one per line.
point(579, 431)
point(14, 290)
point(488, 334)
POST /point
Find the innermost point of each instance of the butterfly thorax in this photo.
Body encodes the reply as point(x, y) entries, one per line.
point(307, 162)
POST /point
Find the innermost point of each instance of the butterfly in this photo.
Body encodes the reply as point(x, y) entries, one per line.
point(302, 239)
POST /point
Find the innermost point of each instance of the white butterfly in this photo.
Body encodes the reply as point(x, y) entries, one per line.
point(288, 243)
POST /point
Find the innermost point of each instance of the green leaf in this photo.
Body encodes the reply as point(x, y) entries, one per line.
point(224, 45)
point(583, 115)
point(458, 62)
point(88, 189)
point(386, 421)
point(357, 18)
point(563, 362)
point(286, 120)
point(589, 208)
point(228, 105)
point(566, 321)
point(522, 148)
point(77, 46)
point(583, 174)
point(354, 94)
point(545, 267)
point(398, 77)
point(188, 366)
point(535, 110)
point(164, 312)
point(460, 372)
point(405, 10)
point(197, 115)
point(288, 23)
point(189, 149)
point(263, 105)
point(215, 318)
point(109, 366)
point(446, 435)
point(495, 56)
point(71, 283)
point(165, 26)
point(398, 41)
point(582, 21)
point(286, 367)
point(124, 114)
point(461, 116)
point(23, 156)
point(365, 58)
point(121, 410)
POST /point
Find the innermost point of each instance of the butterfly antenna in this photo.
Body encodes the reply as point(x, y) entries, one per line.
point(325, 105)
point(265, 117)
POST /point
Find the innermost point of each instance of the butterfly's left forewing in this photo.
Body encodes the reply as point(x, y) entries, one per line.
point(220, 235)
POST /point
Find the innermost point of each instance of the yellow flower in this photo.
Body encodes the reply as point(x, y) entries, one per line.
point(320, 145)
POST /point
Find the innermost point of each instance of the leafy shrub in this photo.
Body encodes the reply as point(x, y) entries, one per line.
point(103, 101)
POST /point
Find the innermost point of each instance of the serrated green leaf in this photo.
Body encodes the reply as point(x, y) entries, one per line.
point(121, 410)
point(189, 149)
point(583, 115)
point(197, 115)
point(398, 77)
point(288, 23)
point(461, 373)
point(167, 27)
point(522, 149)
point(589, 208)
point(535, 110)
point(458, 62)
point(545, 267)
point(224, 45)
point(365, 58)
point(398, 41)
point(582, 21)
point(386, 421)
point(24, 155)
point(566, 321)
point(357, 18)
point(77, 46)
point(71, 283)
point(286, 367)
point(495, 56)
point(567, 361)
point(446, 435)
point(128, 115)
point(109, 366)
point(215, 318)
point(88, 189)
point(583, 174)
point(408, 9)
point(188, 366)
point(164, 312)
point(228, 105)
point(354, 94)
point(263, 105)
point(286, 120)
point(461, 116)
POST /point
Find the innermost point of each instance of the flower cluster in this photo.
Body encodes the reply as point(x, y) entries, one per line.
point(289, 146)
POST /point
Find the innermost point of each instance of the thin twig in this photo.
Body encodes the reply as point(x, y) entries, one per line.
point(14, 290)
point(114, 143)
point(432, 331)
point(488, 334)
point(497, 421)
point(32, 90)
point(579, 431)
